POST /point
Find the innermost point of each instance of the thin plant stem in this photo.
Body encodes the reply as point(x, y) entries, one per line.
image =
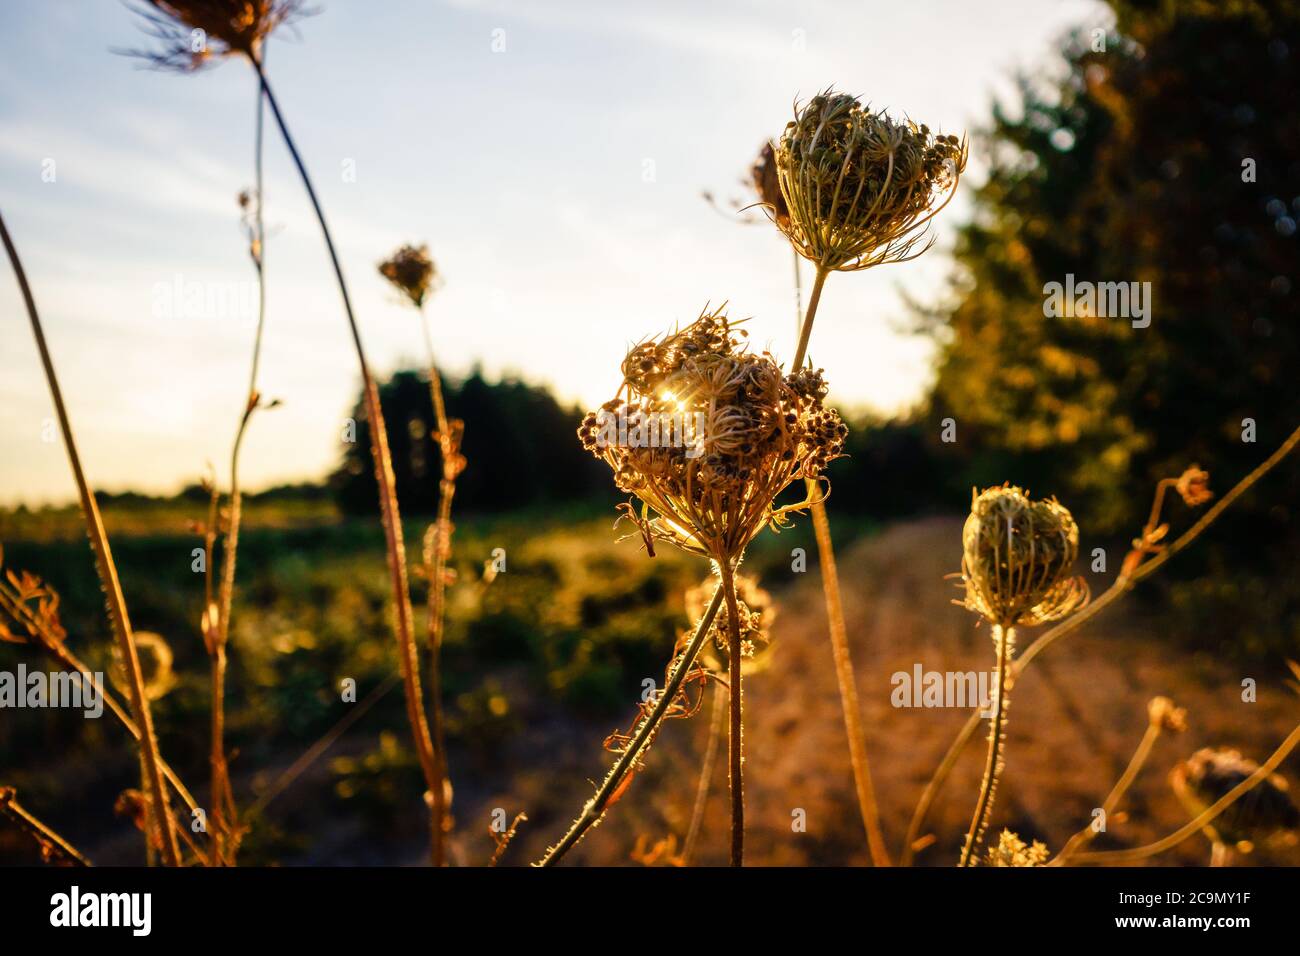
point(441, 554)
point(322, 744)
point(805, 329)
point(1004, 638)
point(157, 794)
point(844, 672)
point(735, 731)
point(384, 478)
point(223, 799)
point(52, 845)
point(646, 729)
point(845, 677)
point(717, 714)
point(1116, 794)
point(1206, 817)
point(1123, 584)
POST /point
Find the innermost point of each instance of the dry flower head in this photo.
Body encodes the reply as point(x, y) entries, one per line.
point(1211, 772)
point(708, 434)
point(1013, 851)
point(1016, 558)
point(1164, 714)
point(412, 271)
point(755, 611)
point(193, 34)
point(859, 185)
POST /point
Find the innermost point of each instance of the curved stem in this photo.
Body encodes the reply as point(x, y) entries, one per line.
point(151, 761)
point(384, 478)
point(845, 677)
point(1004, 638)
point(646, 729)
point(735, 700)
point(1116, 794)
point(1122, 585)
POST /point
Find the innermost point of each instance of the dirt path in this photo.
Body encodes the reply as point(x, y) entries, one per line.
point(1078, 713)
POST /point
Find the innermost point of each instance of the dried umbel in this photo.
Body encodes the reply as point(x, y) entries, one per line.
point(1212, 772)
point(412, 271)
point(1165, 715)
point(755, 617)
point(193, 34)
point(707, 435)
point(767, 184)
point(1016, 559)
point(860, 186)
point(1012, 851)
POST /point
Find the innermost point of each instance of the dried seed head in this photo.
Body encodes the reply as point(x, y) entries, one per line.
point(767, 184)
point(1012, 851)
point(1212, 772)
point(1016, 559)
point(861, 187)
point(412, 271)
point(756, 614)
point(707, 435)
point(193, 34)
point(1163, 714)
point(1194, 487)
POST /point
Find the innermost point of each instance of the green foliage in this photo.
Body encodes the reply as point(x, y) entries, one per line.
point(1130, 169)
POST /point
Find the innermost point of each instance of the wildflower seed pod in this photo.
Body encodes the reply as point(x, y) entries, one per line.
point(193, 34)
point(1013, 851)
point(411, 271)
point(1016, 559)
point(1212, 772)
point(859, 186)
point(767, 183)
point(707, 435)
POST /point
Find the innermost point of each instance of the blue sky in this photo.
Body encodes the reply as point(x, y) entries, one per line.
point(557, 182)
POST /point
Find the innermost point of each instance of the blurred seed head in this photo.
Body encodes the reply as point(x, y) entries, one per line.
point(412, 272)
point(859, 186)
point(229, 27)
point(767, 184)
point(1162, 713)
point(756, 614)
point(1016, 558)
point(1194, 487)
point(747, 432)
point(1013, 851)
point(1212, 772)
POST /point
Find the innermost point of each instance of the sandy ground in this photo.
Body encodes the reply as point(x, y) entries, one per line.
point(1078, 712)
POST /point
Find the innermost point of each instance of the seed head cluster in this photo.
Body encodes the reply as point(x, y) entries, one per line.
point(860, 186)
point(1211, 772)
point(412, 271)
point(1016, 558)
point(193, 34)
point(741, 432)
point(756, 614)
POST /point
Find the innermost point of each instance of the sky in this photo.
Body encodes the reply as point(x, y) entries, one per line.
point(552, 155)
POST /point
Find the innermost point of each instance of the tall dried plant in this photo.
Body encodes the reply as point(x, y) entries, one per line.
point(159, 823)
point(413, 273)
point(240, 28)
point(851, 188)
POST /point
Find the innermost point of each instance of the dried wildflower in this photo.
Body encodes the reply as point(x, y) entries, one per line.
point(767, 184)
point(860, 186)
point(755, 615)
point(707, 435)
point(193, 34)
point(412, 271)
point(155, 666)
point(1016, 559)
point(1211, 772)
point(1012, 851)
point(1193, 487)
point(1164, 715)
